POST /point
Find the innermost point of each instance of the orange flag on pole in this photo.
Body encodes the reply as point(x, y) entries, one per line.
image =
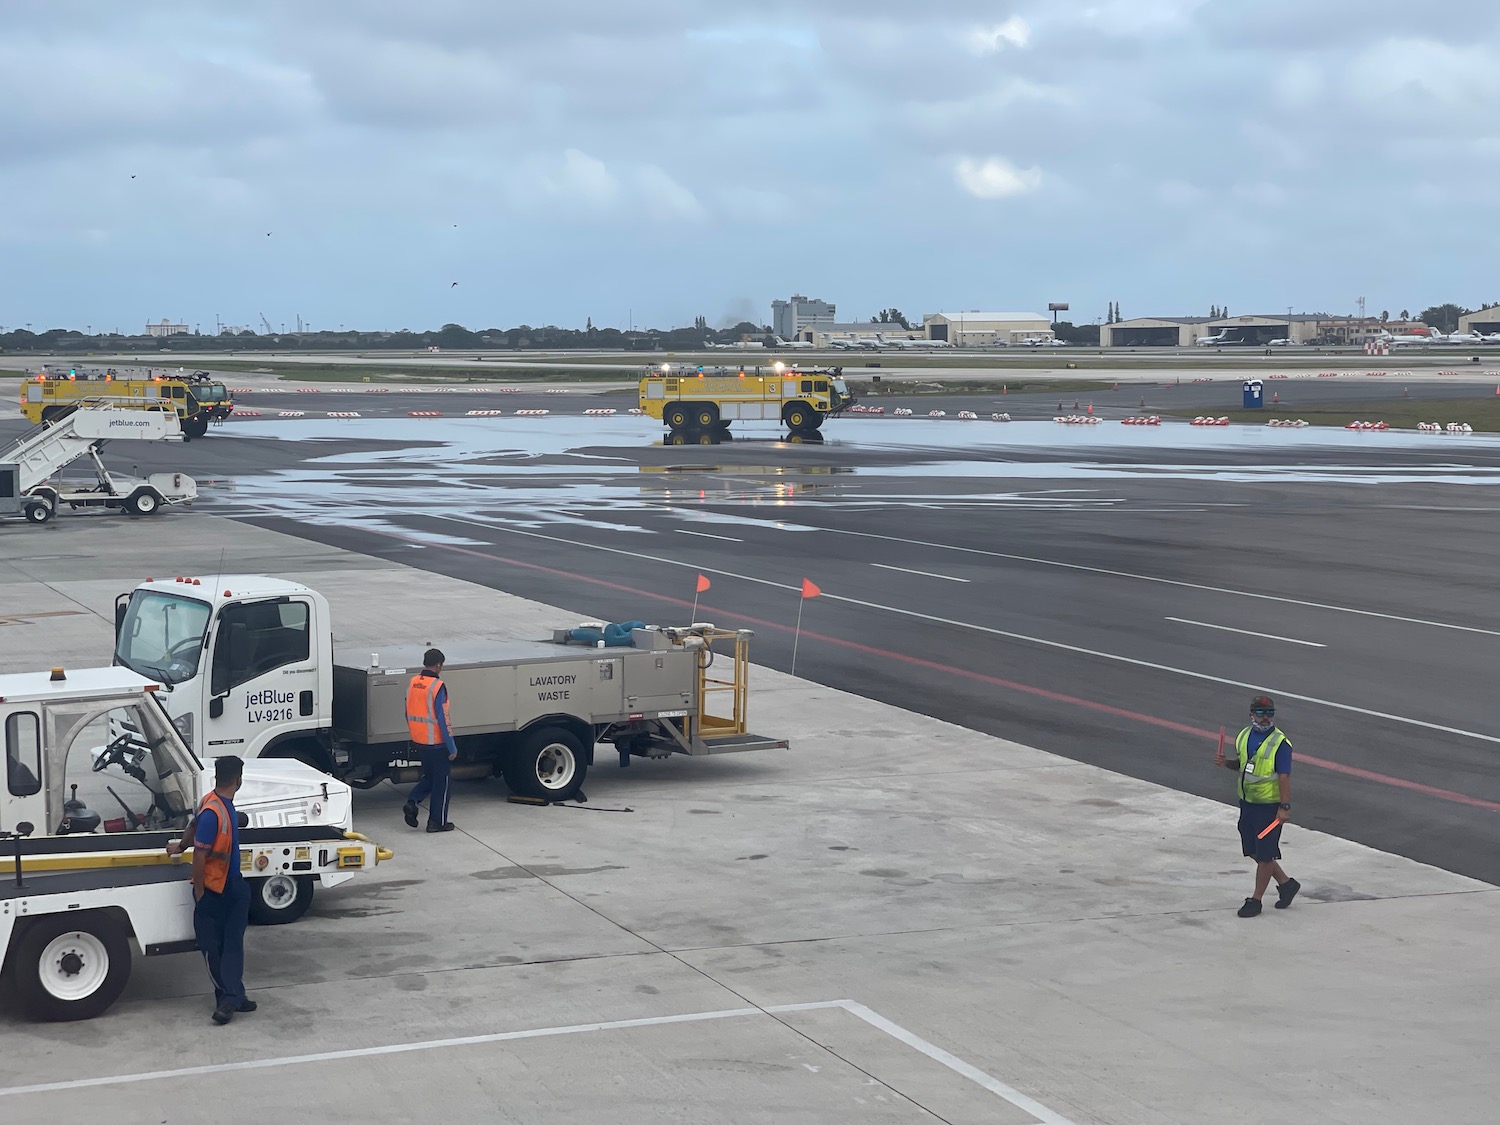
point(703, 583)
point(809, 589)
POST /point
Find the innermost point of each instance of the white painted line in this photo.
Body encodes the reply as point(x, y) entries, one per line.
point(873, 1018)
point(1246, 632)
point(1043, 641)
point(923, 573)
point(706, 535)
point(1163, 581)
point(955, 1064)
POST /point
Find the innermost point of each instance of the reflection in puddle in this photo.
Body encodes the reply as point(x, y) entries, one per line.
point(538, 472)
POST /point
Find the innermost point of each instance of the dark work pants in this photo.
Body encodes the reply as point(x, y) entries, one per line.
point(219, 922)
point(436, 783)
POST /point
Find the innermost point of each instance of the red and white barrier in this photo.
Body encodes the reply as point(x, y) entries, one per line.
point(632, 410)
point(531, 413)
point(377, 390)
point(483, 413)
point(1374, 374)
point(343, 414)
point(1460, 428)
point(1328, 374)
point(1151, 420)
point(1275, 376)
point(241, 412)
point(1000, 417)
point(598, 411)
point(557, 390)
point(937, 414)
point(1203, 380)
point(424, 414)
point(310, 390)
point(1430, 427)
point(1358, 425)
point(1209, 422)
point(968, 415)
point(242, 390)
point(1078, 420)
point(903, 412)
point(1292, 423)
point(291, 414)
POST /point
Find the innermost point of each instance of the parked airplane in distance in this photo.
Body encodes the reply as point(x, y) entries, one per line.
point(798, 344)
point(1210, 341)
point(740, 345)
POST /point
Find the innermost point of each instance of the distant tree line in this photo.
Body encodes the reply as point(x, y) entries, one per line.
point(451, 337)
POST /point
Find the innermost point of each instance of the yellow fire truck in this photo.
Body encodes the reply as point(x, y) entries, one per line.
point(197, 398)
point(688, 399)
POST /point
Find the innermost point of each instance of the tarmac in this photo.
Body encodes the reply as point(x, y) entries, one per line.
point(897, 920)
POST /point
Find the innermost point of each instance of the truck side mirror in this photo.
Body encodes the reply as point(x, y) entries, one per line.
point(122, 604)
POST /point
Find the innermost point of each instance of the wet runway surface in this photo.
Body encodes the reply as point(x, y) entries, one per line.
point(1111, 593)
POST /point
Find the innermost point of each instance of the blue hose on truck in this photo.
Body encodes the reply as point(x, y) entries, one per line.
point(614, 635)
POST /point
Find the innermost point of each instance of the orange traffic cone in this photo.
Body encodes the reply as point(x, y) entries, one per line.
point(1275, 396)
point(1091, 405)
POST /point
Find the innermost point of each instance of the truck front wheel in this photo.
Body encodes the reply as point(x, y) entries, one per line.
point(798, 416)
point(280, 898)
point(71, 967)
point(38, 512)
point(549, 763)
point(676, 416)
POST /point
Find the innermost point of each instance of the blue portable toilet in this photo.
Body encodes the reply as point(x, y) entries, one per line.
point(1254, 399)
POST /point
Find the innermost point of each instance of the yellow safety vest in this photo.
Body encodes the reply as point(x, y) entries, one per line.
point(1258, 783)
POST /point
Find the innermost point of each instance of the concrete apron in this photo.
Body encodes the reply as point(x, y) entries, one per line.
point(1018, 937)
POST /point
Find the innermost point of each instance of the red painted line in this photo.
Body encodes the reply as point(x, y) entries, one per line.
point(967, 673)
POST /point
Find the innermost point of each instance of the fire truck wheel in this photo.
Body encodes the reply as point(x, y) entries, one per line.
point(195, 427)
point(549, 763)
point(280, 898)
point(706, 415)
point(798, 416)
point(71, 967)
point(676, 417)
point(143, 502)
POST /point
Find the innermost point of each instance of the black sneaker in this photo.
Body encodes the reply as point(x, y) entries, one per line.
point(1250, 909)
point(409, 811)
point(1286, 892)
point(247, 1006)
point(449, 827)
point(223, 1013)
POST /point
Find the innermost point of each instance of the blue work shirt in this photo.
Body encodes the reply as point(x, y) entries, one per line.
point(1283, 752)
point(207, 831)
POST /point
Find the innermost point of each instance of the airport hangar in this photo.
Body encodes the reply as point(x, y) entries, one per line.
point(986, 329)
point(1486, 321)
point(1186, 331)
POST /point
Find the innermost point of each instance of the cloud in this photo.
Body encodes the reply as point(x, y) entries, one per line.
point(995, 178)
point(987, 40)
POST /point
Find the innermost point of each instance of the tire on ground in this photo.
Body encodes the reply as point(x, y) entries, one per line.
point(143, 502)
point(70, 966)
point(705, 415)
point(799, 416)
point(38, 511)
point(280, 898)
point(548, 762)
point(677, 416)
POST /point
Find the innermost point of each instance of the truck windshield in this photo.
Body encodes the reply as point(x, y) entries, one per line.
point(841, 386)
point(161, 636)
point(210, 392)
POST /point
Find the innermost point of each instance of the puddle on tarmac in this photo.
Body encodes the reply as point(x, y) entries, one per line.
point(546, 472)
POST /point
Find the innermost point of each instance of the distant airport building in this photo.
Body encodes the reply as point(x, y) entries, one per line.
point(1484, 321)
point(986, 329)
point(1188, 331)
point(790, 317)
point(860, 333)
point(166, 328)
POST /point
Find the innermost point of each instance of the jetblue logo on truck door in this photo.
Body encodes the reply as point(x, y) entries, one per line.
point(555, 688)
point(269, 706)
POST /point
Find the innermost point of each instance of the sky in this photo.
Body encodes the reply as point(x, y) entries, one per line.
point(651, 162)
